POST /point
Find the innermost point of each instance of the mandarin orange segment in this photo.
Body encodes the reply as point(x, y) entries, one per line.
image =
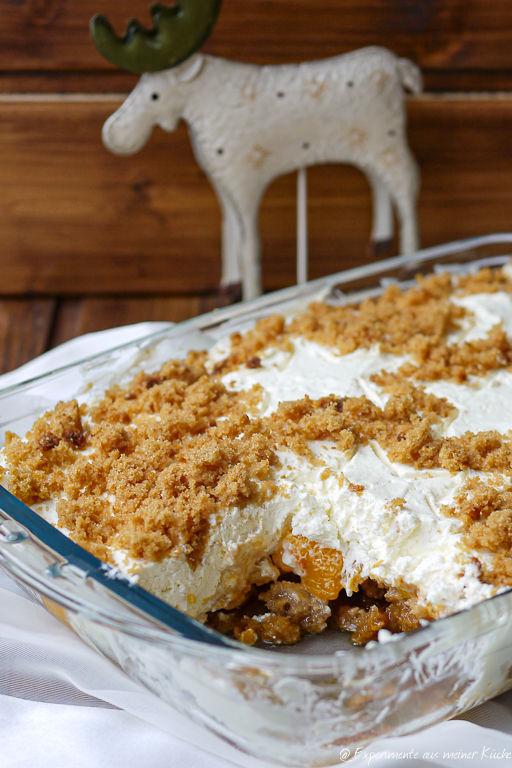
point(318, 566)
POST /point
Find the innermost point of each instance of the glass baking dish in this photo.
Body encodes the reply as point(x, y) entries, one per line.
point(300, 706)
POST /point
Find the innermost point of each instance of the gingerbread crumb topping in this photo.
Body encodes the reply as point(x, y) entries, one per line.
point(414, 322)
point(486, 514)
point(164, 455)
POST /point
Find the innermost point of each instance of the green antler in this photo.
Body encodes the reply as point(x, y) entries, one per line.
point(177, 32)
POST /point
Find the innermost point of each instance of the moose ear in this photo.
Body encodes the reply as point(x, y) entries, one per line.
point(189, 69)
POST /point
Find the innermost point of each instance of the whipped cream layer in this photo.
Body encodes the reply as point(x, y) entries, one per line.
point(416, 543)
point(313, 370)
point(488, 310)
point(236, 555)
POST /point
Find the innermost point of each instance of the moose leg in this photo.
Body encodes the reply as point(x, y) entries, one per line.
point(230, 289)
point(400, 175)
point(382, 218)
point(409, 238)
point(251, 250)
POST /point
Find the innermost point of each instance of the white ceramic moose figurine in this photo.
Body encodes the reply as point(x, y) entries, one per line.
point(250, 124)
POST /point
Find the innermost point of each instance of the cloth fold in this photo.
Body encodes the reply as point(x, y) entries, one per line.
point(63, 704)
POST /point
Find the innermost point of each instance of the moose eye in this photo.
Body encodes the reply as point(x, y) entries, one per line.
point(155, 96)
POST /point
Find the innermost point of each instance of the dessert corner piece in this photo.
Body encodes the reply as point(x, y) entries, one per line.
point(348, 468)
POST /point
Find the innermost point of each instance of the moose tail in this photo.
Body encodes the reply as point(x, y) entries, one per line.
point(410, 75)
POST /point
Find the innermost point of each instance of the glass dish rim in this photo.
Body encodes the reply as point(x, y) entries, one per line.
point(388, 653)
point(219, 316)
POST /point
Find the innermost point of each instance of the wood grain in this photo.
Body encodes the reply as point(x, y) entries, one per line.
point(70, 81)
point(25, 327)
point(112, 82)
point(52, 35)
point(96, 313)
point(76, 219)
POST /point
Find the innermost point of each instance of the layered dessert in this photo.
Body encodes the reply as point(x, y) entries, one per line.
point(347, 467)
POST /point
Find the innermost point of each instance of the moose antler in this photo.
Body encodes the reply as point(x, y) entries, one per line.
point(177, 32)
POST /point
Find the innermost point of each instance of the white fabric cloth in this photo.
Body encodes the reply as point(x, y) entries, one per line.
point(62, 704)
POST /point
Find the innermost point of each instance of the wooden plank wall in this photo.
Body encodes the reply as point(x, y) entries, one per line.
point(91, 240)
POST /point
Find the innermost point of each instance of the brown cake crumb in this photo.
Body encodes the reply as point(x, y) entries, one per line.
point(160, 464)
point(373, 608)
point(269, 628)
point(394, 320)
point(364, 625)
point(291, 611)
point(457, 362)
point(486, 280)
point(38, 465)
point(403, 428)
point(48, 441)
point(486, 514)
point(296, 602)
point(413, 322)
point(267, 332)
